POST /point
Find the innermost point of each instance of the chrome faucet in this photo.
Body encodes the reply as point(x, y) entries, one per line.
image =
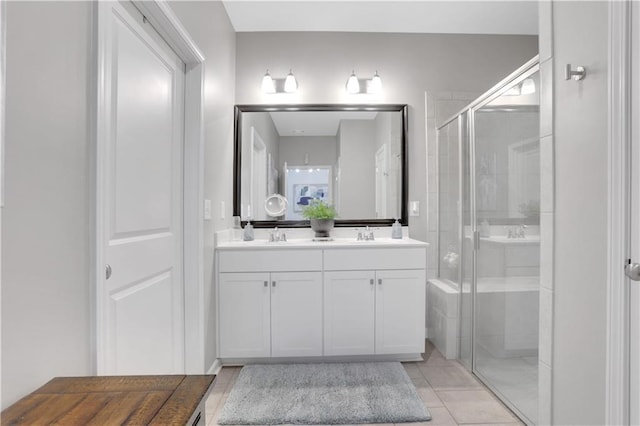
point(516, 232)
point(277, 236)
point(366, 235)
point(509, 231)
point(521, 230)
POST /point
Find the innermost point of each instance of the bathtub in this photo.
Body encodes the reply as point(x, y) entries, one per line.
point(507, 311)
point(442, 316)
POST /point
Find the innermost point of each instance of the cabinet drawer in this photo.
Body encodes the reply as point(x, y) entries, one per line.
point(270, 260)
point(375, 258)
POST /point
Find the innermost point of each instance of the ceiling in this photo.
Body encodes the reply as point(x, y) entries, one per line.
point(399, 16)
point(313, 123)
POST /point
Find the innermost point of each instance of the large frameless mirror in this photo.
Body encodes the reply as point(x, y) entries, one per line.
point(349, 156)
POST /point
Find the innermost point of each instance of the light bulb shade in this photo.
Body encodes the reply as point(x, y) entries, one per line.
point(513, 91)
point(290, 83)
point(528, 87)
point(376, 84)
point(353, 85)
point(268, 85)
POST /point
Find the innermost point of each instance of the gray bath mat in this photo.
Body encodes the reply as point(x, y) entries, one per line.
point(327, 393)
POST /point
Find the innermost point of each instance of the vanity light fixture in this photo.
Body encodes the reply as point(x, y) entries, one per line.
point(514, 91)
point(272, 85)
point(353, 85)
point(375, 85)
point(290, 83)
point(528, 87)
point(372, 87)
point(268, 85)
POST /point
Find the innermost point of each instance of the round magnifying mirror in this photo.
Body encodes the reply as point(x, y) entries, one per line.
point(275, 205)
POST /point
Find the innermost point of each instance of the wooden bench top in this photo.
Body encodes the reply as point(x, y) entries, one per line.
point(111, 400)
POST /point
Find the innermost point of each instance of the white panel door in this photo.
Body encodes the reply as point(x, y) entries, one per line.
point(296, 314)
point(244, 315)
point(142, 304)
point(400, 311)
point(349, 304)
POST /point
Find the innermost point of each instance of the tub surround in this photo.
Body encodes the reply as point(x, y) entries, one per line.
point(303, 299)
point(442, 320)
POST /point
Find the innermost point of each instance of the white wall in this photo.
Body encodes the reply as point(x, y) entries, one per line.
point(409, 64)
point(45, 222)
point(357, 169)
point(208, 24)
point(320, 150)
point(580, 32)
point(266, 130)
point(46, 323)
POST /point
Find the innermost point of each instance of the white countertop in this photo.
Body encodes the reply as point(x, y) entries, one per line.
point(306, 243)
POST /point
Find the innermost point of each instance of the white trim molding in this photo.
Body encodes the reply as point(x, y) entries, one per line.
point(3, 61)
point(215, 367)
point(617, 362)
point(166, 23)
point(3, 72)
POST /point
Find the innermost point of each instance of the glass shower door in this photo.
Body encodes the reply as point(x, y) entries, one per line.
point(506, 181)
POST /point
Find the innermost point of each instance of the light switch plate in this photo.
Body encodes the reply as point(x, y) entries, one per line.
point(207, 209)
point(414, 208)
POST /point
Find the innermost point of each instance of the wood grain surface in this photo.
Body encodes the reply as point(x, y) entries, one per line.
point(111, 400)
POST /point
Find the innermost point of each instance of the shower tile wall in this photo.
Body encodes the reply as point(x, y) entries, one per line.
point(439, 107)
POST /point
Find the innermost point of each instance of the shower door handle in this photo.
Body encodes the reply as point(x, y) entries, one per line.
point(476, 240)
point(632, 270)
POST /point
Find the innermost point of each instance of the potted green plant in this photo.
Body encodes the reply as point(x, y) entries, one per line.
point(321, 216)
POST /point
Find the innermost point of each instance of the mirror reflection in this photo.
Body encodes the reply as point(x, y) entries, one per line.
point(508, 156)
point(350, 158)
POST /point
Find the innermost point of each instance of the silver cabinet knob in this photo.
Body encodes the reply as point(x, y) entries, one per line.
point(108, 271)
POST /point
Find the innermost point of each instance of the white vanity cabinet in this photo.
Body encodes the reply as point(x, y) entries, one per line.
point(349, 312)
point(400, 311)
point(296, 314)
point(342, 299)
point(270, 304)
point(245, 315)
point(374, 311)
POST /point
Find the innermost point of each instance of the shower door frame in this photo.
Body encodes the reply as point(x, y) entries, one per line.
point(515, 78)
point(525, 71)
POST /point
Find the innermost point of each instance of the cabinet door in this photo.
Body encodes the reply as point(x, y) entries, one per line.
point(244, 315)
point(296, 313)
point(400, 311)
point(349, 302)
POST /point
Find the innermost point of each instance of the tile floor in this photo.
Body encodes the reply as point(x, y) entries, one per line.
point(452, 395)
point(515, 378)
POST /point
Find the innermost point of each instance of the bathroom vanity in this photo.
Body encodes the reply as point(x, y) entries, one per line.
point(341, 298)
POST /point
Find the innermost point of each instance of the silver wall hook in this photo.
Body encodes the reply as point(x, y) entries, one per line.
point(578, 74)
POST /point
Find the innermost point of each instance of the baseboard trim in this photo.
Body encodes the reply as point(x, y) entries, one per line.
point(215, 367)
point(234, 362)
